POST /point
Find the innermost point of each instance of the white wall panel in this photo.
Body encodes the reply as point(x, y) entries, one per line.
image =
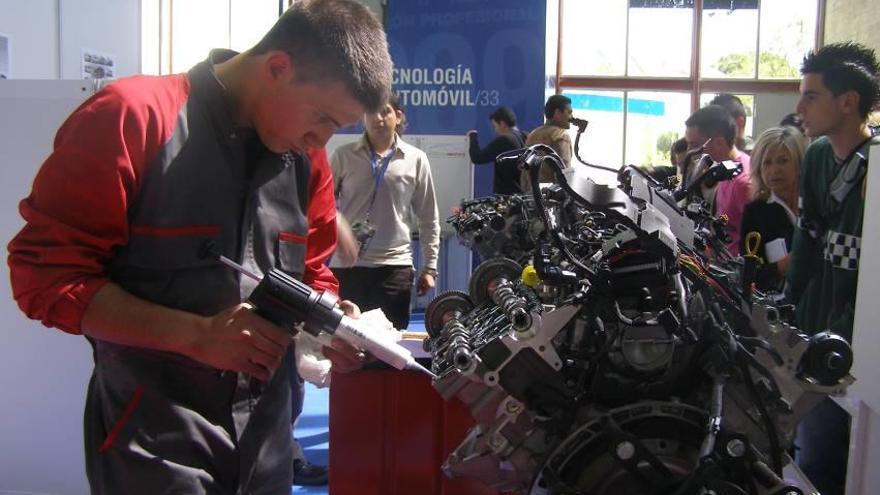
point(43, 372)
point(31, 27)
point(38, 27)
point(113, 28)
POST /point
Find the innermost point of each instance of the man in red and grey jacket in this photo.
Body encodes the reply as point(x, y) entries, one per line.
point(190, 391)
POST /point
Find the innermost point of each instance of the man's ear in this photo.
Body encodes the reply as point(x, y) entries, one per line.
point(279, 66)
point(741, 121)
point(848, 101)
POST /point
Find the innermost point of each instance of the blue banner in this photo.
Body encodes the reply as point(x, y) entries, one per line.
point(456, 61)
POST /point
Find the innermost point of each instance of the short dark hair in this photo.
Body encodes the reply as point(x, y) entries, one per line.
point(504, 114)
point(335, 40)
point(847, 67)
point(731, 103)
point(679, 146)
point(554, 103)
point(394, 101)
point(714, 121)
point(793, 120)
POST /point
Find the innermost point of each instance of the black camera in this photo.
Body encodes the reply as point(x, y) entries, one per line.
point(363, 232)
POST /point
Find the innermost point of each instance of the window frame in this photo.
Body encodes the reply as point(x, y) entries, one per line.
point(165, 38)
point(695, 84)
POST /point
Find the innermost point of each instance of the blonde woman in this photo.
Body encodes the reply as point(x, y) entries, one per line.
point(775, 174)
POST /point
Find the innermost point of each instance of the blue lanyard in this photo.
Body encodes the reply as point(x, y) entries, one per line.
point(378, 173)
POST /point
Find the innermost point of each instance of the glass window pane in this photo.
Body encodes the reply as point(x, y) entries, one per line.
point(788, 30)
point(654, 120)
point(602, 143)
point(660, 40)
point(197, 27)
point(748, 102)
point(251, 19)
point(594, 37)
point(729, 39)
point(151, 26)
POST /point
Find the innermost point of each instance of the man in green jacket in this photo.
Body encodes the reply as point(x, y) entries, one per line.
point(838, 90)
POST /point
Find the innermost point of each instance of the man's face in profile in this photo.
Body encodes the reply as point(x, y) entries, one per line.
point(561, 117)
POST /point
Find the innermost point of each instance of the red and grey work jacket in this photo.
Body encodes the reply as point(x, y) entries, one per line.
point(145, 178)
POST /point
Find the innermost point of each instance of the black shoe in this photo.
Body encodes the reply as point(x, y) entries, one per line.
point(306, 474)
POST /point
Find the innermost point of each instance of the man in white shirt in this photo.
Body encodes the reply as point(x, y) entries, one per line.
point(381, 182)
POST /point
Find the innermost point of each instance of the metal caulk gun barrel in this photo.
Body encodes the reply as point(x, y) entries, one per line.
point(285, 301)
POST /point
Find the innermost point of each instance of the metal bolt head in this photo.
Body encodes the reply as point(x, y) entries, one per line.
point(736, 448)
point(625, 450)
point(512, 407)
point(833, 361)
point(496, 441)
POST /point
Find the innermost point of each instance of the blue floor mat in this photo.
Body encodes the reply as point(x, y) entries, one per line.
point(312, 431)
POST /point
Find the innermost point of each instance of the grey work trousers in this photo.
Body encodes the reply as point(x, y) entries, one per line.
point(161, 423)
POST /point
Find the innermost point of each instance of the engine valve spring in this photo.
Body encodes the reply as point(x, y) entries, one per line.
point(459, 350)
point(514, 307)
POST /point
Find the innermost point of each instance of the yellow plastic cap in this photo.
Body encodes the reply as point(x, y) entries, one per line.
point(530, 276)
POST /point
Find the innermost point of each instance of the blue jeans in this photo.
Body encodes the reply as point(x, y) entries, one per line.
point(823, 440)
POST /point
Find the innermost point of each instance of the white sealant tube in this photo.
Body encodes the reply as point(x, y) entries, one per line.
point(376, 343)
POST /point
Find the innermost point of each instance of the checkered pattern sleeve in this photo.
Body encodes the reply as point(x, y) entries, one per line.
point(842, 250)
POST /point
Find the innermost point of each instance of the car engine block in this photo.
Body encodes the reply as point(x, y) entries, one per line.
point(608, 344)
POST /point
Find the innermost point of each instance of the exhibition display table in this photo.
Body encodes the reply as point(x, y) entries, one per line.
point(390, 432)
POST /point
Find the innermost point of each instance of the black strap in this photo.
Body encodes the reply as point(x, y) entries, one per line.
point(850, 174)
